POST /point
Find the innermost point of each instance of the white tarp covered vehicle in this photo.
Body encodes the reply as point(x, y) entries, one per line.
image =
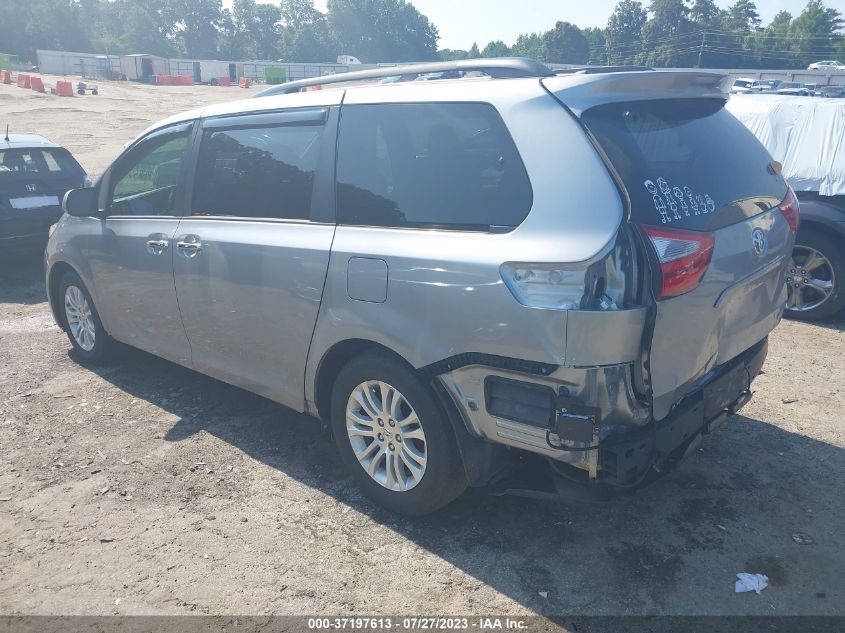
point(807, 136)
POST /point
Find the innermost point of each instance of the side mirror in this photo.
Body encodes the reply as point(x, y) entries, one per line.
point(80, 202)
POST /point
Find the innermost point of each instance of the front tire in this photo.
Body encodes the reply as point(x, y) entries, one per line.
point(816, 277)
point(82, 322)
point(394, 436)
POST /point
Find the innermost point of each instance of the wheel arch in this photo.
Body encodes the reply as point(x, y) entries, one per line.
point(54, 276)
point(333, 361)
point(480, 459)
point(820, 215)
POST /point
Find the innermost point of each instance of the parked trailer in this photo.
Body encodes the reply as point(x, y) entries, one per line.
point(142, 67)
point(68, 63)
point(206, 71)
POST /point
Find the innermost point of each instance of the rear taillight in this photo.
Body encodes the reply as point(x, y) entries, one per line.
point(684, 257)
point(789, 208)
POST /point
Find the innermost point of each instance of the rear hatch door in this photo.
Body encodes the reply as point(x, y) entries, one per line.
point(689, 168)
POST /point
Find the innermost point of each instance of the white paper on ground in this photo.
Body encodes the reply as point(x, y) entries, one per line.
point(751, 582)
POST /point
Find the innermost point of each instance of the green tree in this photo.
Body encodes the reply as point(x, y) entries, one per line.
point(52, 24)
point(496, 49)
point(741, 17)
point(450, 55)
point(625, 31)
point(704, 14)
point(197, 26)
point(766, 48)
point(813, 35)
point(306, 34)
point(252, 30)
point(530, 45)
point(474, 53)
point(597, 43)
point(382, 30)
point(566, 44)
point(668, 36)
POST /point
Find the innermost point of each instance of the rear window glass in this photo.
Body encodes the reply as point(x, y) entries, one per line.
point(43, 162)
point(686, 163)
point(442, 165)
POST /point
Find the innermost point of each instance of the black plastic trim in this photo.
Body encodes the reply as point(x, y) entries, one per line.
point(488, 360)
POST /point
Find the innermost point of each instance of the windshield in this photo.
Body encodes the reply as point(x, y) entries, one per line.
point(740, 83)
point(54, 162)
point(790, 84)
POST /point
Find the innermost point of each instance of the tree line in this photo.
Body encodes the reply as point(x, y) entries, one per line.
point(685, 34)
point(663, 33)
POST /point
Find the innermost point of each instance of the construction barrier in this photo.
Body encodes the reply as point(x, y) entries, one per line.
point(23, 81)
point(245, 82)
point(64, 88)
point(36, 84)
point(5, 77)
point(223, 81)
point(173, 80)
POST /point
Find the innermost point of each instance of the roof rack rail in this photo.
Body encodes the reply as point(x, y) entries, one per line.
point(598, 70)
point(500, 68)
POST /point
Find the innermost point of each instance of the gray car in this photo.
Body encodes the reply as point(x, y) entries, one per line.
point(574, 273)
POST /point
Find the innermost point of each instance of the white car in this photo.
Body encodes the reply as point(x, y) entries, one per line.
point(827, 65)
point(742, 85)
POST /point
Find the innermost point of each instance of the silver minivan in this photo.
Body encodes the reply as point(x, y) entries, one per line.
point(575, 272)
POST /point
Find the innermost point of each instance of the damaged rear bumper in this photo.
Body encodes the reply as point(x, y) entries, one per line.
point(641, 456)
point(590, 422)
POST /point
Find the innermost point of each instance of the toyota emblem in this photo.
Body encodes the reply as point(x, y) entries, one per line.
point(759, 242)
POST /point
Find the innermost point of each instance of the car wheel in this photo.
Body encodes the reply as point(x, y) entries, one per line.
point(82, 322)
point(816, 277)
point(394, 436)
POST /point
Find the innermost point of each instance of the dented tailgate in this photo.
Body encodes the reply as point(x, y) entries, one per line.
point(693, 172)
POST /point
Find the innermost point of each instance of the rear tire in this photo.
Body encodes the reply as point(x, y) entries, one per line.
point(387, 422)
point(812, 241)
point(82, 322)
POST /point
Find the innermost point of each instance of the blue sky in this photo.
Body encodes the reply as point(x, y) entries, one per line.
point(462, 22)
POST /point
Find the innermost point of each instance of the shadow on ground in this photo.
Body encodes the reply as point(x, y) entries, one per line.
point(22, 279)
point(733, 508)
point(672, 548)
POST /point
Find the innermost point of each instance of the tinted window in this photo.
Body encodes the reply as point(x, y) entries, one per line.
point(686, 163)
point(43, 162)
point(257, 172)
point(145, 181)
point(443, 165)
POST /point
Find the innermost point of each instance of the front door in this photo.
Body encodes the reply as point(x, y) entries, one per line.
point(251, 260)
point(132, 262)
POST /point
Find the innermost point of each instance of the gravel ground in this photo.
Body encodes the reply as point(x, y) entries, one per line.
point(144, 488)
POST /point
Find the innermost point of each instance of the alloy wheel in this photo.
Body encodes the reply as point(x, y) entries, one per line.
point(386, 435)
point(80, 319)
point(810, 279)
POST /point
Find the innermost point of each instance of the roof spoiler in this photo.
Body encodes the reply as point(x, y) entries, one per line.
point(499, 68)
point(580, 92)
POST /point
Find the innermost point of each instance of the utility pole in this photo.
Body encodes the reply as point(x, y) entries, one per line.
point(701, 50)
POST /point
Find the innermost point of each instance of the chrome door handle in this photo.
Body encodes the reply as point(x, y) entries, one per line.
point(157, 247)
point(189, 249)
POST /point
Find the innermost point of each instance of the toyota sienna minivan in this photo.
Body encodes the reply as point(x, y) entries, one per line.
point(578, 269)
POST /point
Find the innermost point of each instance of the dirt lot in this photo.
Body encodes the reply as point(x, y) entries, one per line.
point(144, 488)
